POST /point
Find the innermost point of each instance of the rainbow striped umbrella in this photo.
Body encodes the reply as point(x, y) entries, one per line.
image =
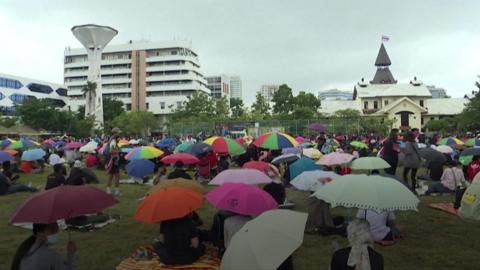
point(224, 146)
point(473, 142)
point(144, 152)
point(275, 140)
point(450, 141)
point(24, 143)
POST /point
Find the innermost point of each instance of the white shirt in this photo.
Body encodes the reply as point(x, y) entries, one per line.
point(378, 222)
point(53, 159)
point(452, 176)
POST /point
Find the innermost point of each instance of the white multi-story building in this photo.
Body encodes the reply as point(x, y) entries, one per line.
point(15, 90)
point(267, 91)
point(335, 94)
point(145, 76)
point(219, 86)
point(236, 87)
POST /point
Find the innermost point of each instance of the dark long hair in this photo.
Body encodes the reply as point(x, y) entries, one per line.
point(26, 246)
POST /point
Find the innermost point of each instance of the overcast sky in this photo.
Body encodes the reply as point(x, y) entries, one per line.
point(310, 45)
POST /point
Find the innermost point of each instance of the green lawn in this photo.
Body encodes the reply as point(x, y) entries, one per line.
point(432, 239)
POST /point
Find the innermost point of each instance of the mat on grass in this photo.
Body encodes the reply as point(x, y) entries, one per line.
point(63, 226)
point(136, 182)
point(145, 258)
point(445, 207)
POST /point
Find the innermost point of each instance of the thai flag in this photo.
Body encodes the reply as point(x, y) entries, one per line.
point(385, 38)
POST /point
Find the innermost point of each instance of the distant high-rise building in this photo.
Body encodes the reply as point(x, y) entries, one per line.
point(335, 94)
point(236, 87)
point(437, 92)
point(267, 91)
point(219, 86)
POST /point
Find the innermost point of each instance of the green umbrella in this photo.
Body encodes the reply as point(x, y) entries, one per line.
point(182, 147)
point(377, 193)
point(465, 160)
point(359, 144)
point(369, 163)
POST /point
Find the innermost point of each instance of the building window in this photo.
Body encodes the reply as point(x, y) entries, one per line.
point(128, 107)
point(421, 102)
point(422, 121)
point(386, 102)
point(9, 83)
point(375, 104)
point(179, 104)
point(365, 105)
point(162, 105)
point(147, 105)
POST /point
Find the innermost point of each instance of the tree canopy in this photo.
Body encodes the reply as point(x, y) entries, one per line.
point(136, 123)
point(468, 119)
point(283, 100)
point(261, 107)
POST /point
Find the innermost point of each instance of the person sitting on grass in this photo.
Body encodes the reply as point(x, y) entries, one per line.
point(360, 255)
point(383, 225)
point(76, 176)
point(179, 242)
point(8, 186)
point(179, 172)
point(34, 253)
point(452, 177)
point(56, 178)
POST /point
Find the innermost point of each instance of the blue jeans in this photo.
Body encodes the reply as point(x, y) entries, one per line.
point(438, 188)
point(20, 188)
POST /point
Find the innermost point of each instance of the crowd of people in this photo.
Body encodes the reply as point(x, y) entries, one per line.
point(181, 241)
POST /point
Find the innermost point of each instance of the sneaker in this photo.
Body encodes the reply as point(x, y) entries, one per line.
point(109, 191)
point(118, 193)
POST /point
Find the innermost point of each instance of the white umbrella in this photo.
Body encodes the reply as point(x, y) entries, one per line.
point(266, 241)
point(89, 147)
point(369, 163)
point(310, 180)
point(445, 149)
point(133, 142)
point(312, 153)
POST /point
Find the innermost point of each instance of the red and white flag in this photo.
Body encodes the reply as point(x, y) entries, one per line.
point(385, 38)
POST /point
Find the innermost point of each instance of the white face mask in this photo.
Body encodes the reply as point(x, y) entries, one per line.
point(52, 239)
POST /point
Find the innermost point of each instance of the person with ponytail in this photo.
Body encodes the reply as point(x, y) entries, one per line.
point(34, 252)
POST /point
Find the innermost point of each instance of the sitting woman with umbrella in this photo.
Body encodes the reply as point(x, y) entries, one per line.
point(34, 252)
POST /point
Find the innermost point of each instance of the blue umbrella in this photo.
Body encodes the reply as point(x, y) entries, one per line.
point(59, 144)
point(5, 143)
point(292, 150)
point(471, 152)
point(140, 168)
point(302, 165)
point(285, 158)
point(167, 143)
point(4, 156)
point(34, 154)
point(126, 149)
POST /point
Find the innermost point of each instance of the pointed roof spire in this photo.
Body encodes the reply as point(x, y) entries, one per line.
point(382, 58)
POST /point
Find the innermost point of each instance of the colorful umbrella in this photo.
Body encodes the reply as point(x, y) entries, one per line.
point(473, 142)
point(24, 143)
point(179, 182)
point(307, 144)
point(242, 199)
point(450, 141)
point(275, 141)
point(225, 146)
point(143, 152)
point(140, 168)
point(168, 203)
point(292, 150)
point(133, 142)
point(317, 127)
point(34, 154)
point(312, 153)
point(311, 180)
point(241, 141)
point(198, 149)
point(257, 165)
point(10, 151)
point(471, 152)
point(62, 202)
point(302, 165)
point(285, 158)
point(182, 147)
point(6, 142)
point(369, 163)
point(122, 143)
point(368, 192)
point(4, 156)
point(182, 157)
point(465, 160)
point(73, 145)
point(300, 139)
point(359, 144)
point(126, 149)
point(49, 142)
point(335, 158)
point(166, 143)
point(246, 176)
point(89, 147)
point(252, 246)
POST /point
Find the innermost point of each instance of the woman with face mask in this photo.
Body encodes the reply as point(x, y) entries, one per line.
point(34, 252)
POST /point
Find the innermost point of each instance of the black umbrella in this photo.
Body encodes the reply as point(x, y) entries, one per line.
point(432, 155)
point(471, 152)
point(198, 149)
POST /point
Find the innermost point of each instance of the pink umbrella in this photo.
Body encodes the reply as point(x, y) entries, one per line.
point(300, 139)
point(48, 142)
point(183, 157)
point(61, 203)
point(73, 145)
point(246, 176)
point(335, 158)
point(242, 199)
point(257, 165)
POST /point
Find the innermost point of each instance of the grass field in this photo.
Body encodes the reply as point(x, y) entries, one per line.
point(432, 239)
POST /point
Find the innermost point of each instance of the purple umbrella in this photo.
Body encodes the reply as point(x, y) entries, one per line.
point(73, 145)
point(292, 150)
point(246, 176)
point(4, 156)
point(318, 127)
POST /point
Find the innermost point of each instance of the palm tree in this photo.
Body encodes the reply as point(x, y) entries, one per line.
point(89, 91)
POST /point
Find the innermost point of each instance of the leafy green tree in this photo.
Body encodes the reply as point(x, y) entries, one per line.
point(283, 100)
point(8, 121)
point(199, 106)
point(468, 120)
point(136, 123)
point(261, 107)
point(89, 91)
point(347, 113)
point(111, 109)
point(306, 106)
point(443, 126)
point(37, 114)
point(222, 110)
point(237, 107)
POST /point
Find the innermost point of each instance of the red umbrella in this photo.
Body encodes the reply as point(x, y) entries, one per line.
point(73, 145)
point(183, 157)
point(62, 202)
point(257, 165)
point(240, 140)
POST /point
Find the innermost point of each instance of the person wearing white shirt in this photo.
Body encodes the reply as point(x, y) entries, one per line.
point(382, 225)
point(452, 178)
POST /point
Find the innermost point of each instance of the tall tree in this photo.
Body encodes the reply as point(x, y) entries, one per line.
point(261, 107)
point(111, 109)
point(237, 107)
point(136, 123)
point(306, 106)
point(468, 119)
point(283, 100)
point(222, 110)
point(198, 106)
point(89, 91)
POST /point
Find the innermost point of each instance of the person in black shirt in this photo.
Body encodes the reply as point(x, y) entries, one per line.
point(390, 152)
point(179, 242)
point(179, 172)
point(360, 254)
point(56, 178)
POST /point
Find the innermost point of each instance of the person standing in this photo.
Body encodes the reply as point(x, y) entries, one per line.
point(390, 152)
point(412, 159)
point(113, 166)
